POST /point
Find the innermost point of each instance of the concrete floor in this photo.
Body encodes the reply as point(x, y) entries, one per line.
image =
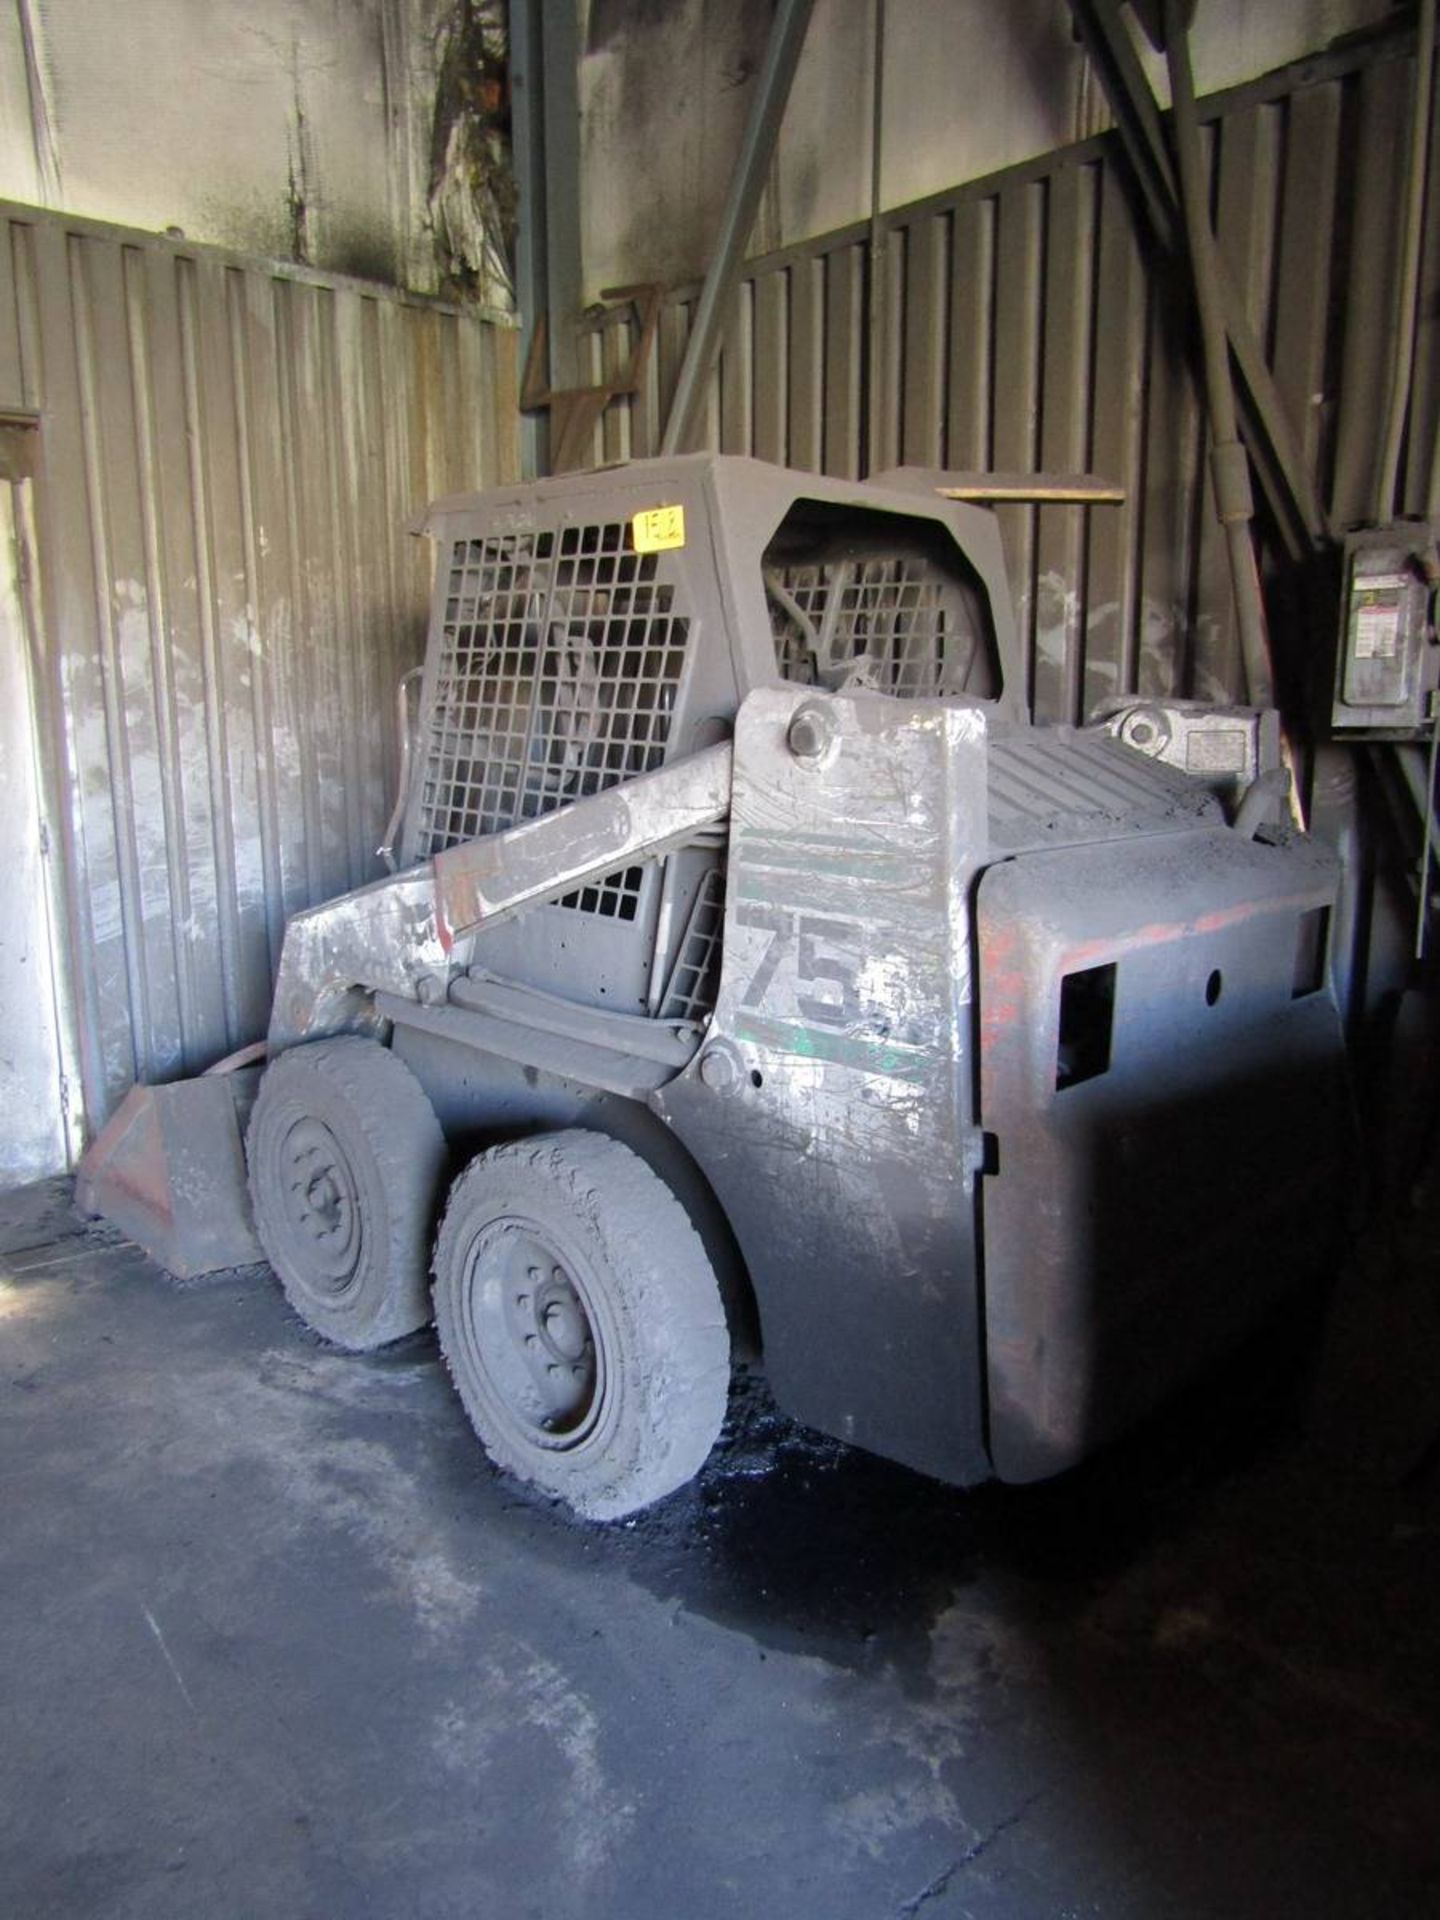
point(275, 1641)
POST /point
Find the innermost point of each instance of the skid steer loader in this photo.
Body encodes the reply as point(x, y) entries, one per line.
point(767, 975)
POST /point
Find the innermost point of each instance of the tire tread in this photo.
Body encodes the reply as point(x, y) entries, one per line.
point(646, 1230)
point(402, 1134)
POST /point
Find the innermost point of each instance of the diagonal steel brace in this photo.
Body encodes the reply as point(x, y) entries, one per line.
point(1264, 424)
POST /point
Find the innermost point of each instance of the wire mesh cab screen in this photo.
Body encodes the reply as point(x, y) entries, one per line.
point(560, 656)
point(862, 598)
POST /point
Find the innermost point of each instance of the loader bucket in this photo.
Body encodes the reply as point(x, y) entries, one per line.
point(168, 1170)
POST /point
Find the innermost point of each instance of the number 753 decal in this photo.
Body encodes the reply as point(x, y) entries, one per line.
point(835, 1000)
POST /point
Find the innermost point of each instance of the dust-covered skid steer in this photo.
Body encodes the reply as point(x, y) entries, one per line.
point(772, 979)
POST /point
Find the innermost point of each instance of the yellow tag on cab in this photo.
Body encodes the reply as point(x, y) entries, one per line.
point(658, 529)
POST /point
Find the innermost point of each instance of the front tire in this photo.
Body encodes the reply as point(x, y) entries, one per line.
point(581, 1322)
point(346, 1160)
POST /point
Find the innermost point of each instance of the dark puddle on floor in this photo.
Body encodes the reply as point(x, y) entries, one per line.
point(807, 1545)
point(804, 1543)
point(811, 1546)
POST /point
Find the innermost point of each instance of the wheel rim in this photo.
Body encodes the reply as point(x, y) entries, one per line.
point(321, 1205)
point(528, 1325)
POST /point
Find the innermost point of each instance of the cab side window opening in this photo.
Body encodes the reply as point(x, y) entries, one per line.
point(861, 599)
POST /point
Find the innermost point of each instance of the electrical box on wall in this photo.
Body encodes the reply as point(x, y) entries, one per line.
point(1388, 663)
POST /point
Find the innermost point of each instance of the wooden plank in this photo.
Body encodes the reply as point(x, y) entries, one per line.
point(844, 334)
point(1209, 635)
point(475, 373)
point(70, 689)
point(669, 358)
point(281, 608)
point(1246, 205)
point(1041, 489)
point(1117, 426)
point(342, 400)
point(12, 368)
point(193, 718)
point(389, 626)
point(318, 642)
point(736, 374)
point(243, 550)
point(644, 406)
point(1247, 165)
point(1172, 468)
point(1424, 432)
point(927, 329)
point(1304, 265)
point(122, 490)
point(805, 403)
point(971, 358)
point(27, 314)
point(185, 429)
point(409, 563)
point(771, 366)
point(1064, 440)
point(1019, 242)
point(404, 377)
point(618, 338)
point(884, 425)
point(502, 418)
point(1375, 153)
point(362, 442)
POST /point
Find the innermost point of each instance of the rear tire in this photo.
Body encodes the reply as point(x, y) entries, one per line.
point(346, 1161)
point(581, 1322)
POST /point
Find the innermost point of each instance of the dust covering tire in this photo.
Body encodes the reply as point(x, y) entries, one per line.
point(346, 1162)
point(581, 1322)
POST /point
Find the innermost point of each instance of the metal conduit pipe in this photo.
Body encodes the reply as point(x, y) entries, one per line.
point(1229, 464)
point(1402, 354)
point(767, 110)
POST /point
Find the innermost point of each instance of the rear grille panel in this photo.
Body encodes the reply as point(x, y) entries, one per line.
point(560, 659)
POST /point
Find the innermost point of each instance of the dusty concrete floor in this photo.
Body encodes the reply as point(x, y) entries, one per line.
point(273, 1640)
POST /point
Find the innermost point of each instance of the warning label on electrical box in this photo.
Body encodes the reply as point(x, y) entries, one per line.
point(1376, 610)
point(1377, 629)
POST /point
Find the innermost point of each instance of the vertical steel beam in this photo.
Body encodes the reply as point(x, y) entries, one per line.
point(545, 118)
point(527, 120)
point(767, 110)
point(560, 106)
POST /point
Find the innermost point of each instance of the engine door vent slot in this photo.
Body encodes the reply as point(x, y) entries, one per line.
point(1312, 946)
point(1087, 1025)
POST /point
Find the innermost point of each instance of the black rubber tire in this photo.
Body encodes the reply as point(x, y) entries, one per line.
point(347, 1162)
point(636, 1281)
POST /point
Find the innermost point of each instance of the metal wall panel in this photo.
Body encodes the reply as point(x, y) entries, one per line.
point(229, 455)
point(1021, 327)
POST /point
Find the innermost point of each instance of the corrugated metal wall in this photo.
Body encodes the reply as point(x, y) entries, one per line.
point(228, 458)
point(1022, 330)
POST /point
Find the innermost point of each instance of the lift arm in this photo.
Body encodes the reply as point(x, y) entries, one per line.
point(399, 935)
